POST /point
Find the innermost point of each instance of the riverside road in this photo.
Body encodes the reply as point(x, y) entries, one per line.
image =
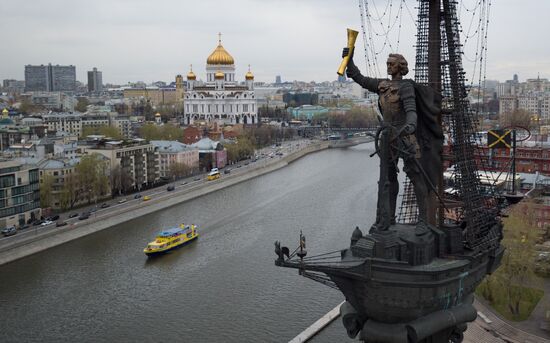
point(222, 288)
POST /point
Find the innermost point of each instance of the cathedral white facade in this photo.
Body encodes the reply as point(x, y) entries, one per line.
point(221, 98)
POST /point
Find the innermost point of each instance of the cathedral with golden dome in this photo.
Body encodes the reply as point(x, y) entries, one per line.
point(220, 98)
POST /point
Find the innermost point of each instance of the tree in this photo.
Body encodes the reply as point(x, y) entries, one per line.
point(150, 132)
point(82, 105)
point(121, 181)
point(240, 150)
point(46, 187)
point(69, 192)
point(92, 176)
point(178, 170)
point(517, 269)
point(518, 117)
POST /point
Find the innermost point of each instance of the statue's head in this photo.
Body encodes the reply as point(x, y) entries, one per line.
point(397, 65)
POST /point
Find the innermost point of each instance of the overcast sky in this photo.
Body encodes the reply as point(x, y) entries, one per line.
point(131, 40)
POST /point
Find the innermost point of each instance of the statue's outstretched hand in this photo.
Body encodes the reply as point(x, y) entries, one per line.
point(345, 52)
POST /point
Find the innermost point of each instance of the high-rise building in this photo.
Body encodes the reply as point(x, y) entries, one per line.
point(95, 81)
point(50, 78)
point(278, 79)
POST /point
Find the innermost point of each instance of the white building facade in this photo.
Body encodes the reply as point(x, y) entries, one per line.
point(221, 98)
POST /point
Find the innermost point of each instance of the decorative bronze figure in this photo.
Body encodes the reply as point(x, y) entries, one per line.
point(397, 103)
point(413, 281)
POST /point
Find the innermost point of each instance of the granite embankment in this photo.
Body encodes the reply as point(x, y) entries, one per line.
point(29, 244)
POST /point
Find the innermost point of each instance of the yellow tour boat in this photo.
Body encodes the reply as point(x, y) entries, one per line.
point(171, 239)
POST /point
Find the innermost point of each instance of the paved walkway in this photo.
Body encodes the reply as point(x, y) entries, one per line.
point(489, 328)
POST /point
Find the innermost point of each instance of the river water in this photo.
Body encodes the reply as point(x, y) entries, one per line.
point(222, 288)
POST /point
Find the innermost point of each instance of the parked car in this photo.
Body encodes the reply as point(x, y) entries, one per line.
point(170, 188)
point(227, 171)
point(38, 222)
point(26, 226)
point(73, 215)
point(84, 215)
point(146, 198)
point(105, 205)
point(46, 223)
point(122, 201)
point(60, 223)
point(9, 231)
point(184, 183)
point(137, 196)
point(93, 209)
point(198, 178)
point(238, 166)
point(53, 218)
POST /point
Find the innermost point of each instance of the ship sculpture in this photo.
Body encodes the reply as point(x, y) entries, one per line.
point(412, 276)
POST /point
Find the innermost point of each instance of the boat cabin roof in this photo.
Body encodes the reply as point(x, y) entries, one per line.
point(173, 231)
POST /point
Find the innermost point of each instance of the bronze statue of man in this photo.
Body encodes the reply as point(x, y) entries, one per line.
point(397, 104)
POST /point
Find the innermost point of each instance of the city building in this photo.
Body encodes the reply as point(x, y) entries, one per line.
point(278, 79)
point(11, 86)
point(212, 154)
point(19, 194)
point(191, 134)
point(174, 153)
point(60, 170)
point(52, 100)
point(307, 111)
point(50, 78)
point(137, 160)
point(95, 81)
point(165, 95)
point(67, 122)
point(221, 98)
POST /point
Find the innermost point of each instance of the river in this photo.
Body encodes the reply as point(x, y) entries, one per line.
point(222, 288)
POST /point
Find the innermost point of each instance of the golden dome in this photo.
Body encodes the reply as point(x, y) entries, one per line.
point(220, 55)
point(249, 76)
point(219, 75)
point(191, 75)
point(157, 114)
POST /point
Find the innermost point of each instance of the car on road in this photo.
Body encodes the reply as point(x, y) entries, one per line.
point(198, 178)
point(73, 215)
point(46, 223)
point(170, 188)
point(105, 205)
point(93, 209)
point(137, 196)
point(246, 163)
point(146, 198)
point(9, 231)
point(60, 223)
point(184, 183)
point(53, 218)
point(84, 215)
point(37, 222)
point(26, 226)
point(227, 171)
point(122, 201)
point(238, 166)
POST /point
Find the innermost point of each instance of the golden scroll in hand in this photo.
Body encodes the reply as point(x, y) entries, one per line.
point(352, 36)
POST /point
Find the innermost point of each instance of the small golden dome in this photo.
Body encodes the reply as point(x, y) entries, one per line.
point(249, 76)
point(191, 76)
point(220, 55)
point(219, 75)
point(157, 114)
